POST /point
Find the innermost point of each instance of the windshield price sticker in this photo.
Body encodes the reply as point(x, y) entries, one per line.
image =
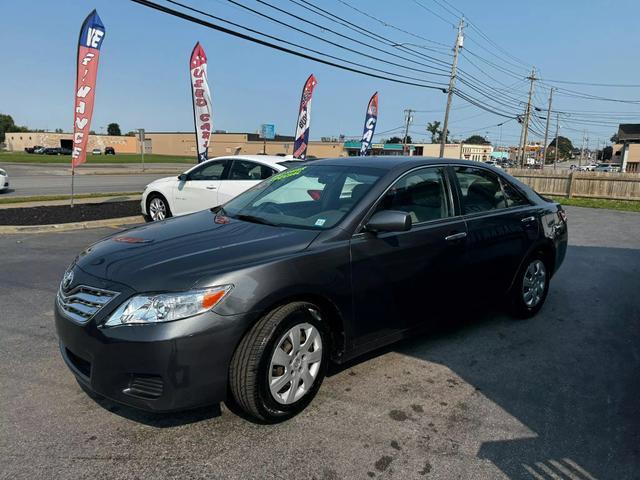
point(288, 173)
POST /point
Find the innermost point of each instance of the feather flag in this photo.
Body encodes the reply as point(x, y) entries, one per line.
point(370, 121)
point(202, 115)
point(304, 119)
point(91, 36)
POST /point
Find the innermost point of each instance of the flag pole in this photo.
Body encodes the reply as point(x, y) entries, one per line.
point(73, 172)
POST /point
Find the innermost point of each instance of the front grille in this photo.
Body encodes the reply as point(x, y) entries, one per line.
point(81, 303)
point(145, 386)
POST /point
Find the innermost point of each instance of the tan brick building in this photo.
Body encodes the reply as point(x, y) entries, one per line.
point(17, 142)
point(179, 143)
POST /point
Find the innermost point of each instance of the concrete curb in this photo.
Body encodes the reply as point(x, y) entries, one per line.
point(67, 227)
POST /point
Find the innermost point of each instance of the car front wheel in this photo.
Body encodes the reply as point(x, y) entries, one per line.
point(158, 208)
point(279, 365)
point(531, 287)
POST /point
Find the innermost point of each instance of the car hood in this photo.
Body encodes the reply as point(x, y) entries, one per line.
point(164, 180)
point(175, 254)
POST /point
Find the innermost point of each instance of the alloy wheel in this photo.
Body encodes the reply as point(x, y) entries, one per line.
point(534, 283)
point(157, 209)
point(295, 363)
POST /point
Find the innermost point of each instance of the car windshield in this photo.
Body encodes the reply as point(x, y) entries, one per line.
point(308, 196)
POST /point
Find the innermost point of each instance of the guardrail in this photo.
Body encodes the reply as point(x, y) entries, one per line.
point(615, 186)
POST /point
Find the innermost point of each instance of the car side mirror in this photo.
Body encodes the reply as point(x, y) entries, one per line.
point(389, 221)
point(183, 177)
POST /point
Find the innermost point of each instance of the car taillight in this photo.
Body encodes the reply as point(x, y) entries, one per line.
point(562, 215)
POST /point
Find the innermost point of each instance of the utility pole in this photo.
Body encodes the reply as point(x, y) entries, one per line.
point(555, 160)
point(527, 114)
point(452, 84)
point(408, 120)
point(546, 129)
point(584, 136)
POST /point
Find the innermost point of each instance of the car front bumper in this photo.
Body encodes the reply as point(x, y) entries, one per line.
point(161, 367)
point(4, 183)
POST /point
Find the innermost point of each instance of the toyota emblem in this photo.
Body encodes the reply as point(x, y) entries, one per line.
point(67, 280)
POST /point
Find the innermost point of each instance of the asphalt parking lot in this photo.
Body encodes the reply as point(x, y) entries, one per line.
point(485, 397)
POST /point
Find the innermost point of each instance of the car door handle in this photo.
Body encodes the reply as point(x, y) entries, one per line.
point(528, 219)
point(211, 187)
point(455, 236)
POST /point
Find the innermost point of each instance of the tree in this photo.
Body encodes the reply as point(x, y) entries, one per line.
point(565, 147)
point(7, 125)
point(477, 140)
point(434, 129)
point(399, 140)
point(58, 130)
point(436, 132)
point(113, 129)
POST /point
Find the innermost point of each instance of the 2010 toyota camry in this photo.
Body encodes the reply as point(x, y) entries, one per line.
point(250, 301)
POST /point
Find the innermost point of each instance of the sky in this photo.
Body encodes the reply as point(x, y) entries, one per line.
point(143, 78)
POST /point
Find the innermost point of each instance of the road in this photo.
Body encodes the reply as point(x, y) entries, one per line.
point(55, 179)
point(488, 397)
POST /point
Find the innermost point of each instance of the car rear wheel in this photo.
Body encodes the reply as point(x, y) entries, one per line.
point(158, 208)
point(531, 287)
point(280, 363)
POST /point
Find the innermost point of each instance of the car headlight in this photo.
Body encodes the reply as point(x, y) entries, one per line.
point(166, 307)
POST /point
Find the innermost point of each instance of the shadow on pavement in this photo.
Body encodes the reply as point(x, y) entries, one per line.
point(571, 375)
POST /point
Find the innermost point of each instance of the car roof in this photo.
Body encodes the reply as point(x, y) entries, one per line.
point(266, 159)
point(275, 161)
point(388, 162)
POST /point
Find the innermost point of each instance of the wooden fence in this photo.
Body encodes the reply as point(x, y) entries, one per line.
point(617, 186)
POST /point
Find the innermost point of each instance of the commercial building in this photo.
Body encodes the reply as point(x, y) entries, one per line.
point(184, 144)
point(17, 142)
point(465, 151)
point(626, 152)
point(180, 143)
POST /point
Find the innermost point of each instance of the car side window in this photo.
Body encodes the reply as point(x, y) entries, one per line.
point(422, 194)
point(512, 196)
point(210, 171)
point(481, 190)
point(246, 170)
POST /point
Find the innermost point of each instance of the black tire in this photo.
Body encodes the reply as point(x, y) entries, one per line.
point(249, 370)
point(518, 306)
point(159, 197)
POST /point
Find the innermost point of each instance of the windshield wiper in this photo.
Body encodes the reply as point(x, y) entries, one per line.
point(254, 219)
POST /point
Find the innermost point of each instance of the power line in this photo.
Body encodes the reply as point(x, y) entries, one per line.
point(414, 35)
point(309, 6)
point(420, 4)
point(304, 32)
point(190, 18)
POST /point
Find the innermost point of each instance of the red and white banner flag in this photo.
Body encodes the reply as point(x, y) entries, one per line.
point(91, 37)
point(304, 119)
point(202, 115)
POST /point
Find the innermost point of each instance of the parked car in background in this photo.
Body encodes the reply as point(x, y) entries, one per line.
point(39, 150)
point(52, 151)
point(109, 151)
point(65, 151)
point(4, 180)
point(607, 167)
point(208, 184)
point(33, 149)
point(96, 151)
point(250, 301)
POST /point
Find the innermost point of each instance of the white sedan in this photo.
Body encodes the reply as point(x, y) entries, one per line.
point(4, 180)
point(208, 184)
